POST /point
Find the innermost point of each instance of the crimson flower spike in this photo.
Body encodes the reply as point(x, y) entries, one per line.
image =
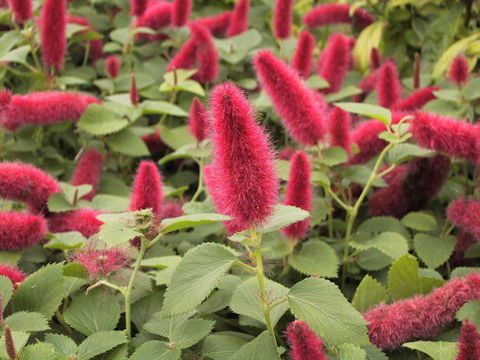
point(19, 231)
point(9, 344)
point(134, 97)
point(157, 16)
point(282, 19)
point(82, 220)
point(469, 342)
point(416, 71)
point(147, 189)
point(367, 85)
point(242, 178)
point(292, 100)
point(336, 13)
point(53, 24)
point(339, 128)
point(302, 59)
point(112, 65)
point(22, 10)
point(463, 212)
point(181, 12)
point(239, 19)
point(138, 7)
point(198, 120)
point(16, 277)
point(88, 171)
point(206, 54)
point(375, 59)
point(185, 57)
point(299, 194)
point(389, 89)
point(416, 100)
point(217, 24)
point(334, 62)
point(459, 72)
point(304, 344)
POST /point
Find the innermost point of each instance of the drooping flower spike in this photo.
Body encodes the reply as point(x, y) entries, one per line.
point(303, 57)
point(334, 62)
point(138, 7)
point(339, 128)
point(147, 189)
point(206, 54)
point(19, 231)
point(282, 19)
point(88, 171)
point(198, 120)
point(459, 71)
point(336, 13)
point(181, 12)
point(157, 16)
point(293, 101)
point(22, 10)
point(217, 24)
point(239, 19)
point(14, 274)
point(304, 344)
point(53, 24)
point(417, 100)
point(469, 342)
point(112, 65)
point(82, 220)
point(389, 89)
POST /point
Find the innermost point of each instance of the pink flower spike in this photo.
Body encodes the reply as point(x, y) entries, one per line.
point(367, 85)
point(334, 61)
point(19, 231)
point(147, 189)
point(100, 262)
point(154, 142)
point(198, 120)
point(22, 10)
point(181, 12)
point(138, 7)
point(134, 97)
point(304, 344)
point(282, 19)
point(156, 17)
point(286, 153)
point(185, 57)
point(469, 342)
point(339, 127)
point(239, 19)
point(172, 209)
point(53, 24)
point(302, 59)
point(83, 220)
point(217, 24)
point(336, 13)
point(293, 101)
point(88, 171)
point(417, 100)
point(389, 89)
point(9, 344)
point(299, 194)
point(375, 59)
point(112, 64)
point(206, 54)
point(464, 213)
point(14, 274)
point(459, 71)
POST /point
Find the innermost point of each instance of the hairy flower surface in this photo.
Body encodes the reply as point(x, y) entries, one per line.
point(465, 213)
point(299, 194)
point(287, 153)
point(217, 24)
point(339, 128)
point(375, 59)
point(336, 13)
point(421, 317)
point(88, 171)
point(334, 61)
point(181, 12)
point(147, 189)
point(206, 54)
point(304, 344)
point(19, 231)
point(172, 209)
point(303, 57)
point(82, 220)
point(198, 120)
point(239, 19)
point(459, 72)
point(282, 19)
point(292, 100)
point(22, 10)
point(389, 89)
point(100, 262)
point(138, 7)
point(185, 57)
point(53, 25)
point(14, 274)
point(9, 344)
point(154, 142)
point(417, 100)
point(112, 65)
point(469, 342)
point(367, 85)
point(157, 16)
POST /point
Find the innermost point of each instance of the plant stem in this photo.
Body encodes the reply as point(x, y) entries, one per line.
point(200, 181)
point(270, 307)
point(334, 196)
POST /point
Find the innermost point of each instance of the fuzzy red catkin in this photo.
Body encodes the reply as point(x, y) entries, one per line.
point(41, 108)
point(206, 54)
point(83, 220)
point(172, 209)
point(299, 194)
point(421, 317)
point(459, 71)
point(242, 178)
point(466, 214)
point(14, 274)
point(133, 93)
point(198, 120)
point(286, 153)
point(389, 89)
point(416, 100)
point(185, 57)
point(22, 10)
point(375, 59)
point(20, 231)
point(53, 26)
point(25, 183)
point(282, 19)
point(334, 61)
point(304, 344)
point(98, 263)
point(157, 16)
point(217, 24)
point(147, 189)
point(339, 128)
point(9, 344)
point(154, 142)
point(88, 171)
point(181, 12)
point(138, 7)
point(336, 13)
point(367, 85)
point(469, 342)
point(112, 65)
point(239, 19)
point(292, 100)
point(303, 57)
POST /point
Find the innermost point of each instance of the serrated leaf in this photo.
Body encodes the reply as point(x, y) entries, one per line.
point(66, 241)
point(164, 326)
point(114, 234)
point(128, 143)
point(98, 120)
point(432, 250)
point(283, 216)
point(20, 339)
point(437, 350)
point(379, 224)
point(62, 345)
point(420, 221)
point(389, 243)
point(316, 258)
point(143, 309)
point(162, 107)
point(221, 346)
point(99, 343)
point(368, 294)
point(190, 332)
point(404, 152)
point(334, 156)
point(321, 304)
point(110, 203)
point(368, 110)
point(352, 352)
point(6, 290)
point(27, 321)
point(470, 311)
point(196, 276)
point(155, 350)
point(188, 221)
point(320, 178)
point(373, 260)
point(39, 351)
point(262, 344)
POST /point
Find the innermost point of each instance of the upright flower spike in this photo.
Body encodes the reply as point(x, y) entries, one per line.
point(154, 142)
point(147, 189)
point(417, 100)
point(469, 342)
point(181, 12)
point(299, 194)
point(88, 171)
point(339, 128)
point(138, 7)
point(242, 177)
point(19, 231)
point(367, 85)
point(198, 120)
point(333, 62)
point(389, 89)
point(239, 19)
point(134, 97)
point(459, 73)
point(304, 344)
point(302, 59)
point(22, 10)
point(157, 16)
point(9, 344)
point(217, 24)
point(53, 25)
point(112, 65)
point(421, 317)
point(375, 59)
point(206, 54)
point(82, 220)
point(185, 57)
point(25, 183)
point(336, 13)
point(282, 19)
point(292, 100)
point(14, 274)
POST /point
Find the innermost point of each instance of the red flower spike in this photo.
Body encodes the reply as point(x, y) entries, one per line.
point(299, 194)
point(206, 54)
point(138, 7)
point(181, 12)
point(416, 100)
point(421, 317)
point(444, 134)
point(459, 71)
point(416, 72)
point(293, 101)
point(469, 342)
point(185, 57)
point(134, 97)
point(154, 142)
point(9, 344)
point(83, 220)
point(389, 89)
point(88, 171)
point(239, 19)
point(282, 19)
point(336, 13)
point(334, 61)
point(25, 183)
point(98, 263)
point(367, 85)
point(156, 17)
point(339, 127)
point(22, 10)
point(198, 120)
point(375, 59)
point(242, 178)
point(172, 209)
point(112, 65)
point(53, 24)
point(43, 108)
point(465, 213)
point(14, 274)
point(304, 344)
point(302, 59)
point(147, 189)
point(218, 24)
point(465, 239)
point(287, 153)
point(19, 231)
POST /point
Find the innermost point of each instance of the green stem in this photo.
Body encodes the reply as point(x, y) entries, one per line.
point(270, 307)
point(247, 267)
point(200, 181)
point(334, 196)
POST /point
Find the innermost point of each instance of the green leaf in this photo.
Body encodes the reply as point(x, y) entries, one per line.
point(39, 351)
point(432, 250)
point(471, 91)
point(437, 350)
point(316, 258)
point(246, 300)
point(162, 107)
point(320, 178)
point(344, 93)
point(176, 137)
point(98, 120)
point(93, 312)
point(316, 82)
point(188, 221)
point(470, 311)
point(6, 290)
point(321, 304)
point(42, 291)
point(196, 276)
point(144, 309)
point(352, 352)
point(99, 343)
point(164, 326)
point(262, 344)
point(283, 216)
point(114, 234)
point(334, 156)
point(110, 203)
point(369, 38)
point(372, 111)
point(128, 143)
point(221, 346)
point(404, 152)
point(18, 55)
point(389, 243)
point(190, 332)
point(8, 40)
point(62, 345)
point(420, 221)
point(66, 241)
point(368, 294)
point(27, 321)
point(379, 224)
point(20, 338)
point(155, 350)
point(190, 151)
